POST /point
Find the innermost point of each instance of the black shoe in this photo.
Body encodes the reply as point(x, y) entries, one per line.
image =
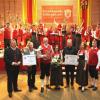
point(94, 88)
point(85, 89)
point(35, 88)
point(17, 90)
point(80, 88)
point(42, 90)
point(72, 86)
point(91, 86)
point(30, 89)
point(67, 86)
point(57, 88)
point(10, 94)
point(48, 87)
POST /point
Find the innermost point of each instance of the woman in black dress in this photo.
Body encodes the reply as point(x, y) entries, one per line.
point(56, 77)
point(82, 71)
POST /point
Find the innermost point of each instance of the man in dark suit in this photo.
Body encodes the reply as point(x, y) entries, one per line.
point(12, 57)
point(69, 50)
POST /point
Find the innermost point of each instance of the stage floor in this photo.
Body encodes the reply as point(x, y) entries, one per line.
point(63, 94)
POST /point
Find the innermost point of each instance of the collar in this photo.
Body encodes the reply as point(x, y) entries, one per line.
point(13, 48)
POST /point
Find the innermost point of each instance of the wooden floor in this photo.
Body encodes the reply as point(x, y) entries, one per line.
point(63, 94)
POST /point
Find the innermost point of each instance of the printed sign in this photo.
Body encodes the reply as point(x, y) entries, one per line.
point(57, 14)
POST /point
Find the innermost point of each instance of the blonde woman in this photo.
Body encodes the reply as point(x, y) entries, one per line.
point(31, 69)
point(82, 71)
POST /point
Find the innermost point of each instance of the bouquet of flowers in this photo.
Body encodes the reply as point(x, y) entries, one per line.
point(56, 60)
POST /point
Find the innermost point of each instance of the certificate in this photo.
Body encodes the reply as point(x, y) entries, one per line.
point(29, 60)
point(71, 60)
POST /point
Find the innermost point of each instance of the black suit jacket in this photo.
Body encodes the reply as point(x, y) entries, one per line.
point(70, 51)
point(9, 57)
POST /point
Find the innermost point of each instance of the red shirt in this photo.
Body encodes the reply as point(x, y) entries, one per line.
point(98, 34)
point(47, 51)
point(7, 33)
point(93, 58)
point(15, 34)
point(20, 32)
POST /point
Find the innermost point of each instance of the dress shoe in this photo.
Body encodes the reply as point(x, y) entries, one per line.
point(35, 88)
point(91, 86)
point(42, 91)
point(72, 87)
point(30, 89)
point(80, 88)
point(10, 94)
point(85, 89)
point(17, 90)
point(67, 86)
point(48, 87)
point(57, 88)
point(95, 88)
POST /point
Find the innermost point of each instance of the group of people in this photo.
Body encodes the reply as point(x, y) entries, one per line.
point(56, 34)
point(51, 59)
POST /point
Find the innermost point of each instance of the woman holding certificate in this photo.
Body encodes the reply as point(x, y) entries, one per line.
point(29, 50)
point(82, 72)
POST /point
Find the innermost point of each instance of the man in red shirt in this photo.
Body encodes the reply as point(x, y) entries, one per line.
point(93, 60)
point(15, 33)
point(7, 35)
point(46, 54)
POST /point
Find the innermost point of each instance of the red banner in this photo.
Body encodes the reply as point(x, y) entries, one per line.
point(57, 14)
point(84, 7)
point(29, 11)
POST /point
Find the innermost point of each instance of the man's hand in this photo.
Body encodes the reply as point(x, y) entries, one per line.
point(18, 63)
point(14, 63)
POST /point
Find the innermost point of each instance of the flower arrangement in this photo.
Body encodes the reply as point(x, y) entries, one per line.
point(56, 60)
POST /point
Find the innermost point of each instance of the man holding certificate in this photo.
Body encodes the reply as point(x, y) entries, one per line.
point(29, 59)
point(69, 67)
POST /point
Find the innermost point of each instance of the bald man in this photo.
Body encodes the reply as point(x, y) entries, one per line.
point(12, 57)
point(46, 54)
point(69, 50)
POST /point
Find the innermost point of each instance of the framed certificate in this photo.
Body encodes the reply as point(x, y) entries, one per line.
point(29, 60)
point(71, 60)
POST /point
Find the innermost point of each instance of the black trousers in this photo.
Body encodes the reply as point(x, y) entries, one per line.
point(6, 43)
point(93, 72)
point(12, 78)
point(31, 76)
point(45, 70)
point(70, 73)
